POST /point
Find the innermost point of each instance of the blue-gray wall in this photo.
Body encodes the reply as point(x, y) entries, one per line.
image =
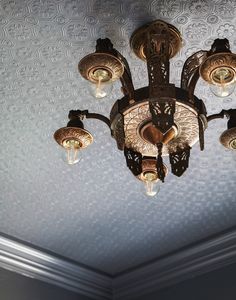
point(17, 287)
point(217, 285)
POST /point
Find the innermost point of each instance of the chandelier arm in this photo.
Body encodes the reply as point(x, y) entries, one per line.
point(230, 114)
point(127, 84)
point(82, 114)
point(201, 133)
point(126, 78)
point(99, 117)
point(190, 72)
point(220, 115)
point(192, 84)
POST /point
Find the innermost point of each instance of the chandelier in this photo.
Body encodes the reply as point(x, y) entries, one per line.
point(160, 119)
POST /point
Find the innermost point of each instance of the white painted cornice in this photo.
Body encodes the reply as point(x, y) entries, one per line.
point(206, 256)
point(37, 264)
point(171, 269)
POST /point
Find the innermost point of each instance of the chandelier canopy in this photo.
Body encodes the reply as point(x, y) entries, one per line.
point(160, 119)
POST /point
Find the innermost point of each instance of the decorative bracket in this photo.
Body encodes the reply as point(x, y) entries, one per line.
point(179, 160)
point(162, 111)
point(134, 161)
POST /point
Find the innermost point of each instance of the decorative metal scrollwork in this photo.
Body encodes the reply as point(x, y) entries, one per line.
point(179, 161)
point(134, 161)
point(157, 54)
point(162, 112)
point(190, 73)
point(158, 72)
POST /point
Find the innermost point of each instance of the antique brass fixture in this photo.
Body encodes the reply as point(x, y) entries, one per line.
point(160, 119)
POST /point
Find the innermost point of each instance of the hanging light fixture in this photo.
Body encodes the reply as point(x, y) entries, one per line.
point(160, 119)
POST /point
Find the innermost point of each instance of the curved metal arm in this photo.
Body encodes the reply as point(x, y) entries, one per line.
point(126, 78)
point(106, 46)
point(230, 114)
point(81, 114)
point(220, 115)
point(190, 72)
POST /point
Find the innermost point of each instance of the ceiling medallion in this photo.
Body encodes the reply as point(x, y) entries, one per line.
point(160, 119)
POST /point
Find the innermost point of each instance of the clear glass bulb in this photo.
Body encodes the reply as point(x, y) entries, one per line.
point(151, 184)
point(222, 90)
point(224, 82)
point(101, 89)
point(72, 148)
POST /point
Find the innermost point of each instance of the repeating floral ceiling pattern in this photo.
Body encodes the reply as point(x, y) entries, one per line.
point(96, 212)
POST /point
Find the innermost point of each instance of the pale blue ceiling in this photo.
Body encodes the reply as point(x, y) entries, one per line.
point(96, 212)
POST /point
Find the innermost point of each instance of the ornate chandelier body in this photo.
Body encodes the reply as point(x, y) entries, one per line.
point(160, 119)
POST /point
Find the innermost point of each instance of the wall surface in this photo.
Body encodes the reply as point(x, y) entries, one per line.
point(217, 285)
point(17, 287)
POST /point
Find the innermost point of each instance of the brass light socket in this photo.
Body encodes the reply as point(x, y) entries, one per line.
point(82, 136)
point(149, 166)
point(219, 61)
point(105, 65)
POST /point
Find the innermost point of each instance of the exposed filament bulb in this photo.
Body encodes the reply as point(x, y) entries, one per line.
point(151, 183)
point(103, 84)
point(100, 92)
point(224, 82)
point(72, 151)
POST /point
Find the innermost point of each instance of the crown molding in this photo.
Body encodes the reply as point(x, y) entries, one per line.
point(171, 269)
point(189, 262)
point(34, 263)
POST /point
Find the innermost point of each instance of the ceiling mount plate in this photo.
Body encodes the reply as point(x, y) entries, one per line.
point(139, 38)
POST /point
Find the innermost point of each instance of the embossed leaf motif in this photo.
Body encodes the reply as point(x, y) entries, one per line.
point(191, 66)
point(179, 161)
point(162, 112)
point(134, 161)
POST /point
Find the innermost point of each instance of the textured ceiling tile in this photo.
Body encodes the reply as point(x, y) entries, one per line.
point(96, 212)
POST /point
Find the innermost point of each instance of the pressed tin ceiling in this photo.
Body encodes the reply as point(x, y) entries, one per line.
point(96, 212)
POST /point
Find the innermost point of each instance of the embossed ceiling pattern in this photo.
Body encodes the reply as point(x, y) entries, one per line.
point(96, 212)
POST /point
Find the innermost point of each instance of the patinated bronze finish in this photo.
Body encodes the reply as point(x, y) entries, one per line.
point(149, 165)
point(101, 61)
point(217, 61)
point(82, 136)
point(228, 138)
point(139, 38)
point(159, 119)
